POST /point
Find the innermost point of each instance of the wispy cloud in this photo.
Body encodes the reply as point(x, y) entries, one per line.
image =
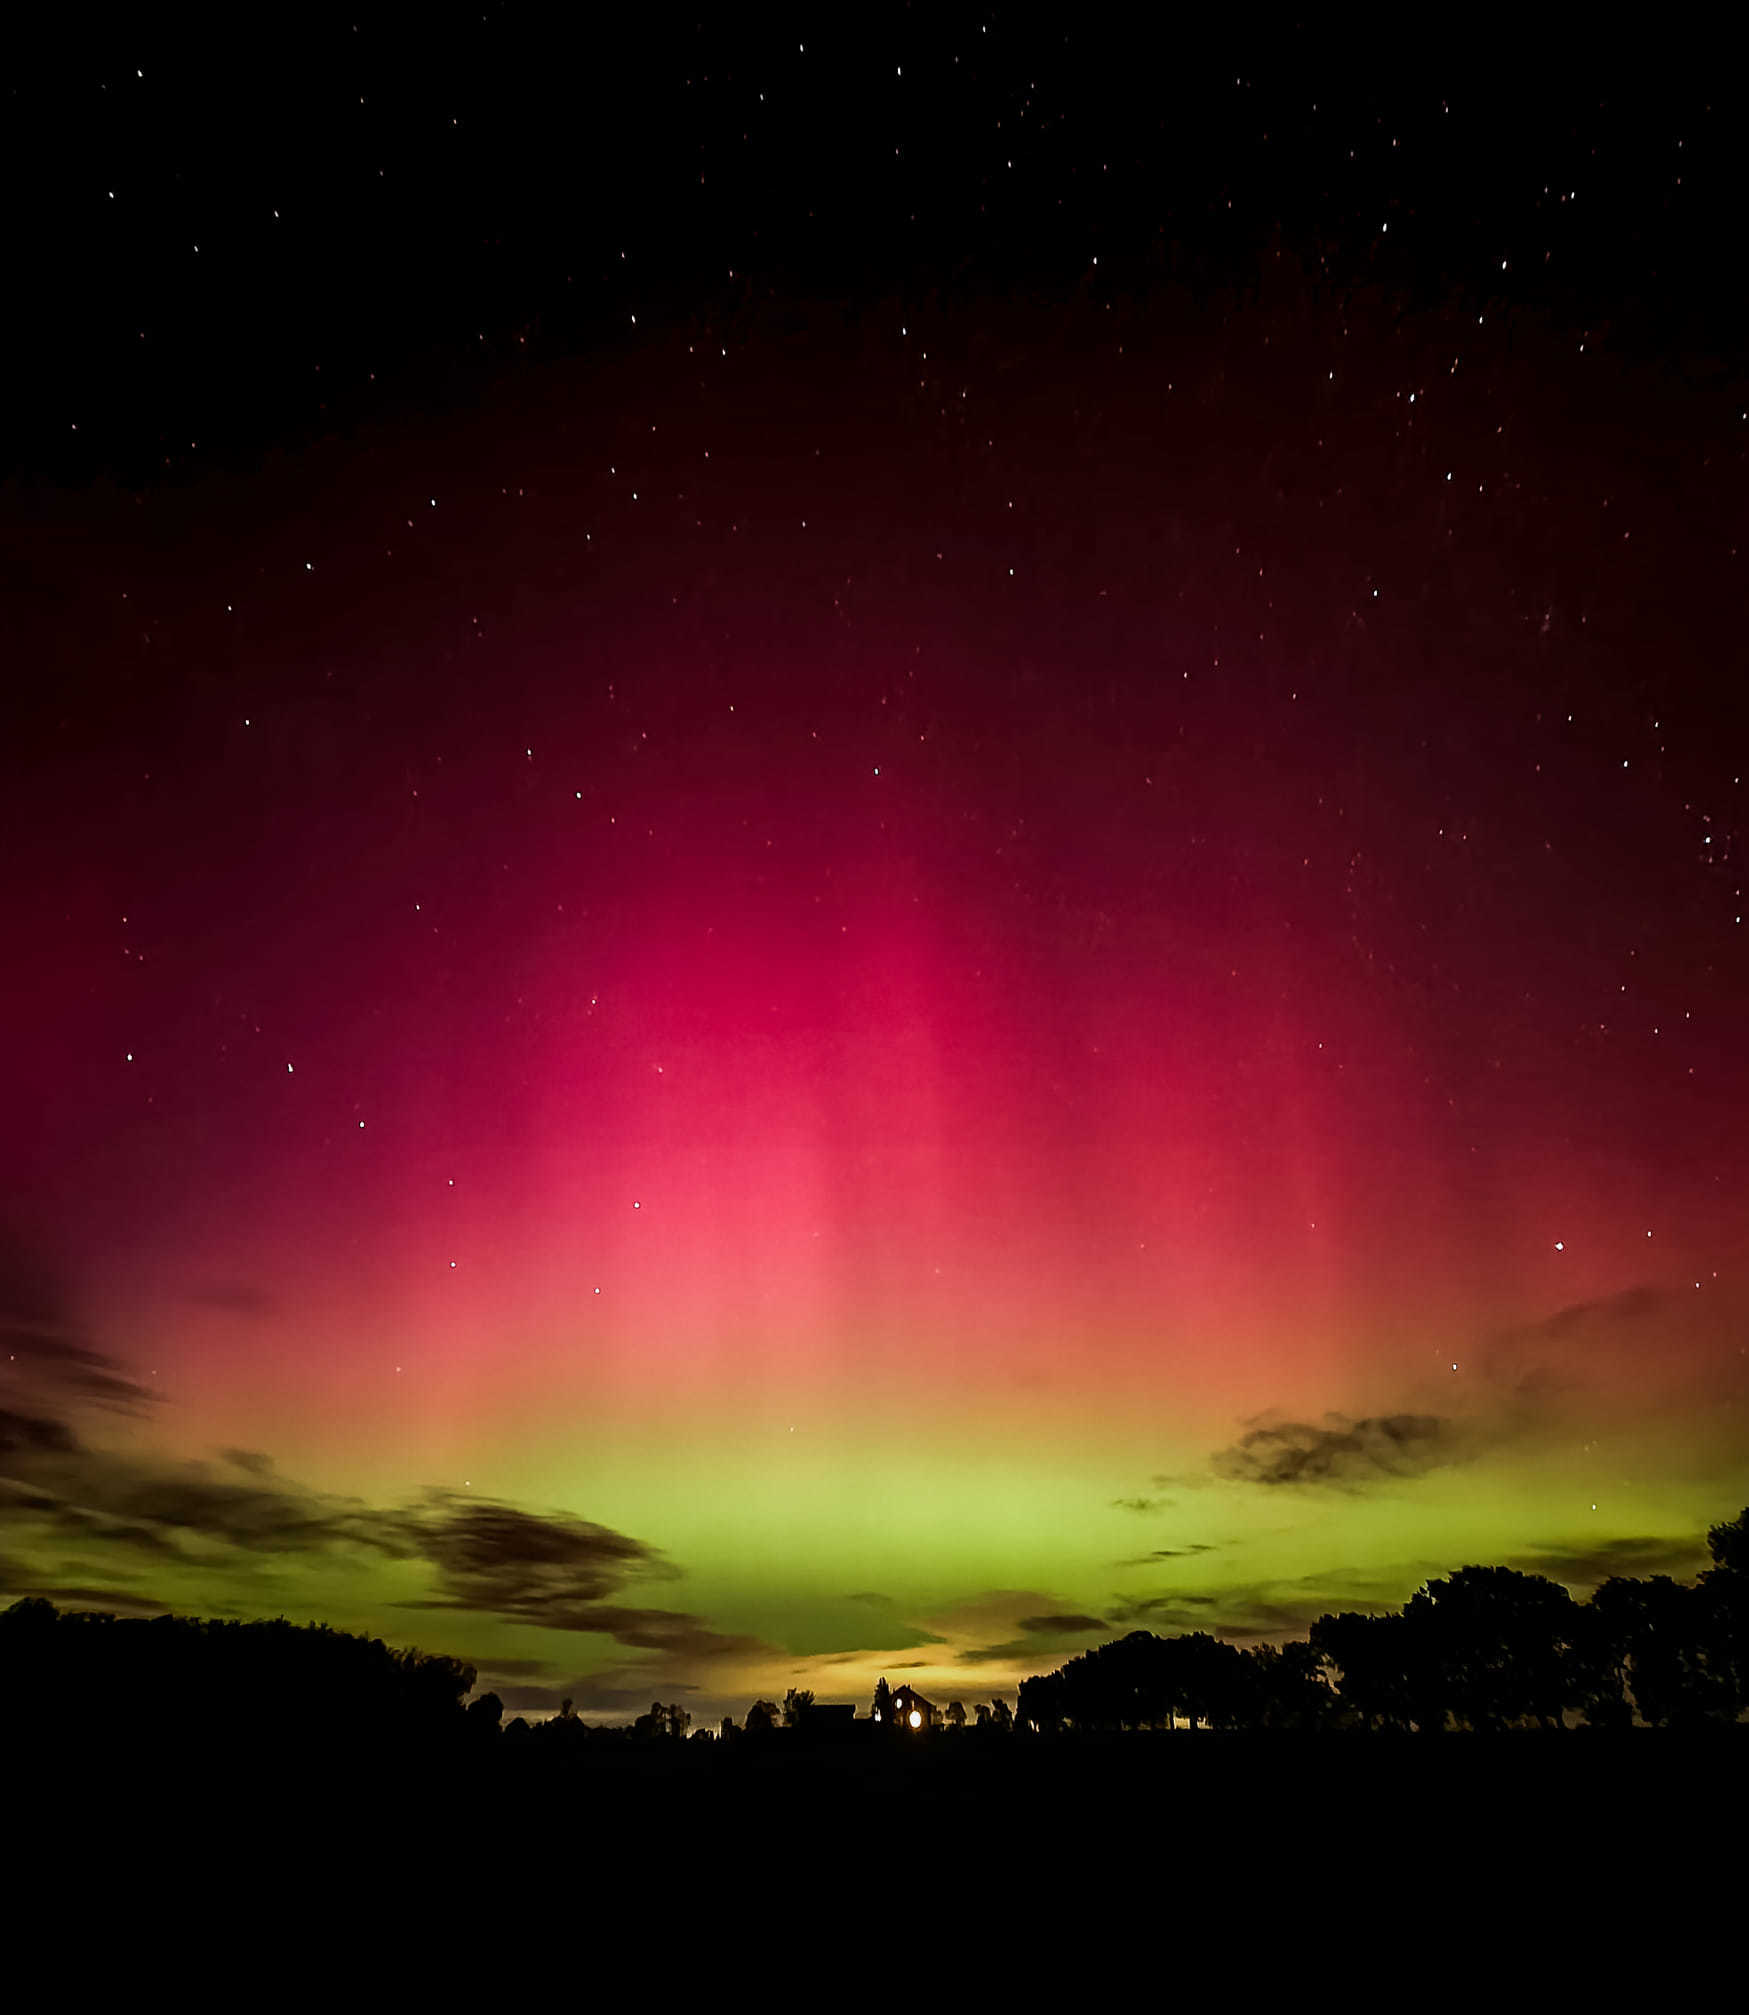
point(551, 1570)
point(1343, 1454)
point(1585, 1564)
point(1019, 1624)
point(1165, 1553)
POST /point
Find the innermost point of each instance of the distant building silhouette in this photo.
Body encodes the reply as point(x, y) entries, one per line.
point(911, 1710)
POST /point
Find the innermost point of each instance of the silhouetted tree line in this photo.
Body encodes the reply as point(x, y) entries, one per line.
point(1483, 1648)
point(152, 1686)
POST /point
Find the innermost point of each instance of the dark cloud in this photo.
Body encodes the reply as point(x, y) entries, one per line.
point(1164, 1553)
point(1342, 1454)
point(1148, 1608)
point(1633, 1304)
point(548, 1569)
point(1145, 1505)
point(51, 1370)
point(1626, 1356)
point(557, 1572)
point(1584, 1564)
point(1274, 1609)
point(33, 1434)
point(48, 1368)
point(75, 1596)
point(1037, 1632)
point(74, 1521)
point(148, 1504)
point(888, 1632)
point(1234, 1614)
point(671, 1633)
point(1631, 1355)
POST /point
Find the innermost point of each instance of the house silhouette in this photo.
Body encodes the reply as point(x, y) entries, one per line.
point(911, 1710)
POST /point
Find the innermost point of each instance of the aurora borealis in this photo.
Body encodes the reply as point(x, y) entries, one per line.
point(881, 974)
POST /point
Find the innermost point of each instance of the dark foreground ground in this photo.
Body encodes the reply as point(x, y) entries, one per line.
point(1585, 1850)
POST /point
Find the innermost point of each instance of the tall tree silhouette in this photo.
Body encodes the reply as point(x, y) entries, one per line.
point(1290, 1686)
point(1377, 1665)
point(1667, 1637)
point(1597, 1681)
point(1498, 1641)
point(1726, 1586)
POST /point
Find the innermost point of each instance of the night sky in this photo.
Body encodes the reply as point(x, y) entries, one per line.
point(832, 851)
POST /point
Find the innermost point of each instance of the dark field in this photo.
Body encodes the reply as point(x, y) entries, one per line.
point(1657, 1799)
point(1579, 1868)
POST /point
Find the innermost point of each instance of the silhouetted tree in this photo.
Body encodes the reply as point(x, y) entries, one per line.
point(1289, 1686)
point(956, 1715)
point(564, 1733)
point(1498, 1640)
point(883, 1703)
point(796, 1703)
point(1124, 1684)
point(203, 1685)
point(1668, 1639)
point(1043, 1708)
point(1208, 1678)
point(1377, 1666)
point(1597, 1669)
point(1001, 1721)
point(728, 1730)
point(1726, 1588)
point(484, 1714)
point(1728, 1543)
point(670, 1722)
point(761, 1717)
point(983, 1712)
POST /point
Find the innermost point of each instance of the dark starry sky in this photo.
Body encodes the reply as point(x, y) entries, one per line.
point(689, 703)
